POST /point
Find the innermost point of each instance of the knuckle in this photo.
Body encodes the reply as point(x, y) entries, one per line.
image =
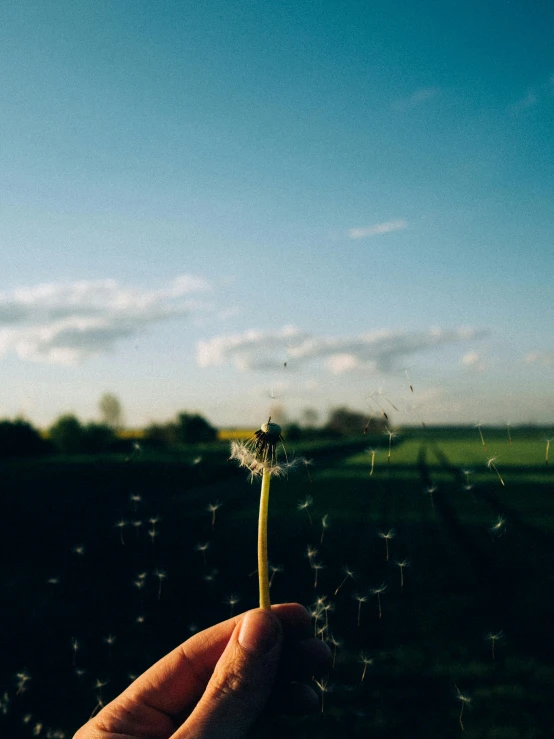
point(233, 685)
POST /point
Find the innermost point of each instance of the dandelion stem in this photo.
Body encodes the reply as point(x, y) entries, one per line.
point(263, 567)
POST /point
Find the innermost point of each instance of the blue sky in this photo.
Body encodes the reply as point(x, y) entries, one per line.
point(194, 194)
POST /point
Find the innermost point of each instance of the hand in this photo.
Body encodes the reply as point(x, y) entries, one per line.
point(215, 685)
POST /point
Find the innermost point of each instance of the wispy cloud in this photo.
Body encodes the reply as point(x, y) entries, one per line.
point(268, 350)
point(377, 229)
point(417, 97)
point(66, 323)
point(540, 357)
point(533, 96)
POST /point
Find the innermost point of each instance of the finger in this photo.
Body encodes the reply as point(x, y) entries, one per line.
point(175, 683)
point(242, 680)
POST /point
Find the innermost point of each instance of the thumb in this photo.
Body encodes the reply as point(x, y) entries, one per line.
point(241, 682)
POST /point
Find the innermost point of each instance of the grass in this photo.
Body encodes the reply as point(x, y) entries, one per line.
point(464, 581)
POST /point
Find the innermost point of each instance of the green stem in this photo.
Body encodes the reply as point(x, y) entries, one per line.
point(263, 567)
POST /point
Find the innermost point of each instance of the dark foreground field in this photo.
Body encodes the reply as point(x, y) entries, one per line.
point(88, 604)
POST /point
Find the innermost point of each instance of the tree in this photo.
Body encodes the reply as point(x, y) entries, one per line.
point(343, 421)
point(19, 439)
point(69, 436)
point(193, 429)
point(111, 411)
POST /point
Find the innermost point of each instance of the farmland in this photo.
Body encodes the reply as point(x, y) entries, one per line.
point(91, 597)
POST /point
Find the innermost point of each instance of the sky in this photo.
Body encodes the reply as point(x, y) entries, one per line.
point(241, 208)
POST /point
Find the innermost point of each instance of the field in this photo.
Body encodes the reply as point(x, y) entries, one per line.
point(108, 563)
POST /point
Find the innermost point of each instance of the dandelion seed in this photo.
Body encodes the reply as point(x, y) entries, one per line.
point(464, 700)
point(349, 573)
point(316, 566)
point(509, 433)
point(53, 580)
point(154, 520)
point(274, 570)
point(307, 463)
point(361, 599)
point(431, 490)
point(212, 508)
point(37, 729)
point(491, 465)
point(152, 533)
point(377, 592)
point(337, 644)
point(110, 641)
point(203, 548)
point(323, 686)
point(365, 660)
point(161, 575)
point(140, 619)
point(546, 452)
point(232, 601)
point(75, 649)
point(498, 527)
point(79, 550)
point(22, 678)
point(404, 563)
point(210, 577)
point(304, 506)
point(494, 638)
point(372, 452)
point(478, 426)
point(392, 435)
point(409, 380)
point(324, 527)
point(311, 553)
point(390, 534)
point(121, 525)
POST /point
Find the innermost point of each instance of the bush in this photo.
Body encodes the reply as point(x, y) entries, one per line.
point(20, 439)
point(194, 429)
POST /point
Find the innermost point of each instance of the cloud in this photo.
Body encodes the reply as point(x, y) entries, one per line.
point(418, 97)
point(66, 323)
point(377, 229)
point(542, 358)
point(268, 350)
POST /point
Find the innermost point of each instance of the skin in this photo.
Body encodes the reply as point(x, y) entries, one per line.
point(217, 683)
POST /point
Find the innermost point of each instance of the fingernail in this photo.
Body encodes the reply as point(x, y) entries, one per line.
point(259, 631)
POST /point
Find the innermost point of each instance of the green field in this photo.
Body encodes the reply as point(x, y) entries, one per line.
point(480, 559)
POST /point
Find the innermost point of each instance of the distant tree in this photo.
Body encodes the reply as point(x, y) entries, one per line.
point(345, 422)
point(69, 436)
point(98, 437)
point(161, 434)
point(20, 439)
point(292, 432)
point(310, 418)
point(111, 411)
point(193, 429)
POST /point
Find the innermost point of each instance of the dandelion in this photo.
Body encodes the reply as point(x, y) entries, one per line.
point(232, 601)
point(361, 599)
point(324, 527)
point(377, 592)
point(478, 426)
point(365, 660)
point(304, 506)
point(464, 700)
point(492, 466)
point(494, 638)
point(386, 536)
point(404, 563)
point(259, 456)
point(161, 575)
point(348, 573)
point(203, 548)
point(212, 508)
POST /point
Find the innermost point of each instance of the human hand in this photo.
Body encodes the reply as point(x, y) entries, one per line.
point(215, 685)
